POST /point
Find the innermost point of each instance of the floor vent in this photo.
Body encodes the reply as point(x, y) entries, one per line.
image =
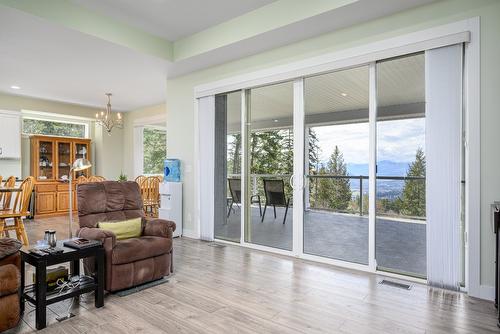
point(395, 284)
point(216, 245)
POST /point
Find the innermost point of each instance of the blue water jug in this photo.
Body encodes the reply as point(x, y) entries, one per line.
point(172, 170)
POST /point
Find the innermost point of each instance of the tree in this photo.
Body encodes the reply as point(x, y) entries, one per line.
point(51, 128)
point(413, 196)
point(234, 154)
point(334, 193)
point(342, 192)
point(155, 150)
point(314, 151)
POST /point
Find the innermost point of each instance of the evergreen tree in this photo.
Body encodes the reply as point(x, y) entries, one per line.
point(314, 151)
point(342, 194)
point(234, 155)
point(413, 197)
point(286, 159)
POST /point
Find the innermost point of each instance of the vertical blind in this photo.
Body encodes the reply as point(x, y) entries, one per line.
point(206, 147)
point(443, 90)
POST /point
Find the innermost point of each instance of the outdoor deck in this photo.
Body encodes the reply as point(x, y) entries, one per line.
point(400, 246)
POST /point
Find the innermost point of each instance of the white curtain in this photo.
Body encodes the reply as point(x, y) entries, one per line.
point(443, 90)
point(206, 137)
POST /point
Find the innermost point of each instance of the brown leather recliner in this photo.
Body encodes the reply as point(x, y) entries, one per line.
point(129, 262)
point(10, 282)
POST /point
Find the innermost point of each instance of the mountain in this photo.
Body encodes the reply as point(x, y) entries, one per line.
point(385, 168)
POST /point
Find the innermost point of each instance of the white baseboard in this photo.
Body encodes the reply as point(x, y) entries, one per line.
point(188, 233)
point(486, 292)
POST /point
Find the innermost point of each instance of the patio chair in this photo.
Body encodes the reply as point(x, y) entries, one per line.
point(275, 196)
point(235, 190)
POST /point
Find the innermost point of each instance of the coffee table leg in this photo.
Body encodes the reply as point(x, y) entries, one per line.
point(99, 292)
point(21, 290)
point(41, 295)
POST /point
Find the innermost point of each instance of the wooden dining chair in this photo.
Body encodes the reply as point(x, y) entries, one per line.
point(82, 179)
point(140, 179)
point(18, 212)
point(96, 178)
point(151, 195)
point(6, 200)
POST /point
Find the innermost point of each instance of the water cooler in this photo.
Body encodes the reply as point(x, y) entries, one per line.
point(171, 195)
point(171, 204)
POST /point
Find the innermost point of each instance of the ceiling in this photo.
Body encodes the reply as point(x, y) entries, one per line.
point(172, 19)
point(401, 81)
point(50, 60)
point(64, 65)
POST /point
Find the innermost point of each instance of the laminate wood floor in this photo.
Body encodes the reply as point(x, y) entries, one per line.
point(236, 290)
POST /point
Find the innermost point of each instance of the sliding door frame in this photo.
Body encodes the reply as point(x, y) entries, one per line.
point(466, 31)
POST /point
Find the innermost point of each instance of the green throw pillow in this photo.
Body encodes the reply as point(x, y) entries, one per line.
point(126, 229)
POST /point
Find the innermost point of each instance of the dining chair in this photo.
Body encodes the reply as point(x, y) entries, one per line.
point(150, 189)
point(82, 179)
point(6, 200)
point(18, 211)
point(275, 196)
point(96, 178)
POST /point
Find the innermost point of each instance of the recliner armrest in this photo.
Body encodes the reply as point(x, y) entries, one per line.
point(107, 238)
point(10, 280)
point(159, 228)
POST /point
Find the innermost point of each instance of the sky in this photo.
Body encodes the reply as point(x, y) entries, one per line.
point(397, 141)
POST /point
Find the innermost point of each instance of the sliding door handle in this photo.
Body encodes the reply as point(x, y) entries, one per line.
point(291, 181)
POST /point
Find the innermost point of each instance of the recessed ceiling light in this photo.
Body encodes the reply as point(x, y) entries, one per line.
point(15, 87)
point(343, 94)
point(276, 121)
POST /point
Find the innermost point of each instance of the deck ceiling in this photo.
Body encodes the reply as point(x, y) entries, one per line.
point(400, 81)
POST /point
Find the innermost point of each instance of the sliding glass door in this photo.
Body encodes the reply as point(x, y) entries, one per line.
point(337, 158)
point(332, 167)
point(400, 230)
point(269, 152)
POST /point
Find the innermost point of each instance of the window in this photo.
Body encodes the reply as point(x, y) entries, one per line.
point(33, 126)
point(155, 150)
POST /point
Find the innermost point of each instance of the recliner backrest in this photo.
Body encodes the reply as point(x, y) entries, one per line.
point(108, 201)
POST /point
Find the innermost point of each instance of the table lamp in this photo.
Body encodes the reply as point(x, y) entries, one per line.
point(78, 165)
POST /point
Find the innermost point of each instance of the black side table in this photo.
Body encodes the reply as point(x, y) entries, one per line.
point(38, 294)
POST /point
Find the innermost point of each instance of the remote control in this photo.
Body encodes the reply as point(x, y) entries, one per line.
point(37, 252)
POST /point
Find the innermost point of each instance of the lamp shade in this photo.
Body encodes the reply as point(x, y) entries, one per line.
point(81, 164)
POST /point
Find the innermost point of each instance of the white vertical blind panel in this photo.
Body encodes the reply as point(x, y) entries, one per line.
point(206, 121)
point(443, 89)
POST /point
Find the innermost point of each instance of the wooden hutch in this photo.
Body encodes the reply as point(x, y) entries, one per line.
point(51, 159)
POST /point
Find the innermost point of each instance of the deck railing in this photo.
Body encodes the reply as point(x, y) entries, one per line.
point(257, 187)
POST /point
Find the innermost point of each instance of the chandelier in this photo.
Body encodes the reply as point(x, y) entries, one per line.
point(106, 119)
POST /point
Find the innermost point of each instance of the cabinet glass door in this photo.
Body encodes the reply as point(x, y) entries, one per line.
point(63, 160)
point(81, 152)
point(45, 160)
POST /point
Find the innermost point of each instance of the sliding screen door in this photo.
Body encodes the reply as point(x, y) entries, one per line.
point(337, 158)
point(400, 230)
point(269, 143)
